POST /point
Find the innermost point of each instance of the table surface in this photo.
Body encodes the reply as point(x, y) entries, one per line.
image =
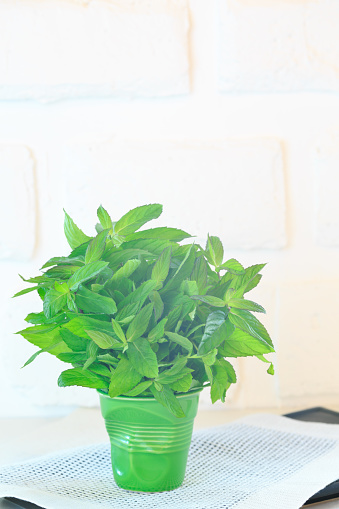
point(25, 438)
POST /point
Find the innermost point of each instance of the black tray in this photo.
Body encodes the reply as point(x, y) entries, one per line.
point(319, 414)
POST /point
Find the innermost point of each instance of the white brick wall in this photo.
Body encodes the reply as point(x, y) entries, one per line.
point(60, 49)
point(278, 46)
point(161, 104)
point(18, 203)
point(326, 165)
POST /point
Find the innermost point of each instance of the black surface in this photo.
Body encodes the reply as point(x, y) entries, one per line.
point(319, 414)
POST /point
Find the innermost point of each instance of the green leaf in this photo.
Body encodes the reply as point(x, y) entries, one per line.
point(139, 389)
point(270, 370)
point(158, 304)
point(73, 357)
point(138, 296)
point(233, 266)
point(53, 302)
point(75, 237)
point(61, 271)
point(102, 339)
point(104, 218)
point(75, 343)
point(215, 249)
point(126, 271)
point(136, 218)
point(81, 323)
point(247, 322)
point(64, 260)
point(77, 376)
point(210, 358)
point(183, 272)
point(158, 331)
point(116, 257)
point(71, 303)
point(92, 302)
point(183, 384)
point(143, 358)
point(35, 355)
point(85, 273)
point(162, 233)
point(26, 290)
point(140, 323)
point(118, 330)
point(180, 340)
point(167, 399)
point(169, 377)
point(246, 304)
point(92, 353)
point(161, 267)
point(223, 376)
point(45, 336)
point(199, 274)
point(242, 344)
point(211, 300)
point(124, 378)
point(96, 247)
point(248, 281)
point(215, 332)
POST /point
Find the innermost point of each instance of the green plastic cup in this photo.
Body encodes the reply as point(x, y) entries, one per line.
point(149, 445)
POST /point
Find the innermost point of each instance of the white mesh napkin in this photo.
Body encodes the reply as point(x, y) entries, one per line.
point(260, 462)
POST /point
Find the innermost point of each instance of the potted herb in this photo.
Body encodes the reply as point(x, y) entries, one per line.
point(147, 322)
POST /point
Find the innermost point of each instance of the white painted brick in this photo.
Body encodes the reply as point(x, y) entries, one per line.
point(18, 203)
point(326, 164)
point(284, 45)
point(234, 189)
point(62, 49)
point(308, 342)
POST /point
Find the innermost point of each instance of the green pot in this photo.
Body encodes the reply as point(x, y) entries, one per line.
point(149, 445)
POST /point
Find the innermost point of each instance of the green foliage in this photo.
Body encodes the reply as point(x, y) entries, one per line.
point(138, 314)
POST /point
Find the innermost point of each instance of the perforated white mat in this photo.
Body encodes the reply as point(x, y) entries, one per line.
point(260, 462)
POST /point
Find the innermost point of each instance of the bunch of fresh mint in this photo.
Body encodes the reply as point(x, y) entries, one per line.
point(137, 314)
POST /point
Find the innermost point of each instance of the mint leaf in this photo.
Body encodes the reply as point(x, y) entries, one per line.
point(215, 332)
point(118, 331)
point(215, 249)
point(104, 218)
point(96, 247)
point(140, 323)
point(199, 274)
point(136, 218)
point(162, 233)
point(270, 370)
point(180, 340)
point(53, 302)
point(77, 376)
point(143, 358)
point(139, 389)
point(158, 304)
point(161, 267)
point(75, 237)
point(124, 378)
point(223, 377)
point(233, 266)
point(26, 290)
point(183, 272)
point(128, 269)
point(85, 273)
point(246, 304)
point(75, 343)
point(102, 339)
point(81, 323)
point(92, 302)
point(183, 384)
point(211, 300)
point(242, 344)
point(247, 322)
point(158, 331)
point(166, 398)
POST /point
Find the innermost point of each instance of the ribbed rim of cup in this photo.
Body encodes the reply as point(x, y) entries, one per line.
point(150, 398)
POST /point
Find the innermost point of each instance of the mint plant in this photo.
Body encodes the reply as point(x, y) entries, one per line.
point(138, 314)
